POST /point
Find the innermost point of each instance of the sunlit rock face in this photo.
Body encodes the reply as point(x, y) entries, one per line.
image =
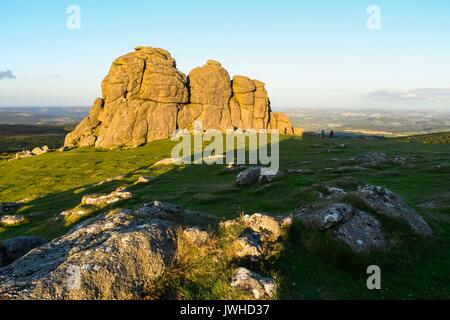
point(146, 98)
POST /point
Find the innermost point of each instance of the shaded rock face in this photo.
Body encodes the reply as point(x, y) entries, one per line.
point(13, 249)
point(385, 202)
point(360, 231)
point(116, 257)
point(145, 98)
point(358, 225)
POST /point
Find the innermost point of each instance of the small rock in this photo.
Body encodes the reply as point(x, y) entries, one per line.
point(325, 218)
point(144, 180)
point(107, 199)
point(248, 245)
point(370, 158)
point(12, 221)
point(261, 288)
point(268, 178)
point(248, 177)
point(271, 228)
point(400, 160)
point(38, 151)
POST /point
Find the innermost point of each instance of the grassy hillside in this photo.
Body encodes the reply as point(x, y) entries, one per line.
point(432, 138)
point(310, 266)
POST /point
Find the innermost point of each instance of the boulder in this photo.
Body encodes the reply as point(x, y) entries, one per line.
point(248, 177)
point(261, 288)
point(13, 249)
point(325, 218)
point(387, 203)
point(119, 256)
point(363, 233)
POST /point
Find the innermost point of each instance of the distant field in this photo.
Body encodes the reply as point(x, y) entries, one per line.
point(15, 138)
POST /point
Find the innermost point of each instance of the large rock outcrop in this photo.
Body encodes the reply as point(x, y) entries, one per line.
point(145, 98)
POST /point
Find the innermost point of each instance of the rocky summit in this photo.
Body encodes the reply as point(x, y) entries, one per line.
point(146, 98)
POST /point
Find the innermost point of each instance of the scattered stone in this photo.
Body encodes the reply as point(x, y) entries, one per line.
point(362, 233)
point(12, 221)
point(271, 228)
point(23, 154)
point(248, 245)
point(387, 203)
point(268, 178)
point(371, 158)
point(144, 179)
point(100, 200)
point(262, 288)
point(400, 160)
point(35, 152)
point(13, 249)
point(38, 151)
point(248, 177)
point(335, 190)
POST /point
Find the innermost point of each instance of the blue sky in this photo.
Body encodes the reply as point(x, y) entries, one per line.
point(309, 53)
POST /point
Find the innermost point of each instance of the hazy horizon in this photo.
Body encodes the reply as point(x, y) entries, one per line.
point(311, 55)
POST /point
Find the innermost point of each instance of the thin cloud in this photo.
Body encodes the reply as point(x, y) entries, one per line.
point(412, 94)
point(7, 75)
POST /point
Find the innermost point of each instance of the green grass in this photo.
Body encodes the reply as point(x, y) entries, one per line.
point(311, 265)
